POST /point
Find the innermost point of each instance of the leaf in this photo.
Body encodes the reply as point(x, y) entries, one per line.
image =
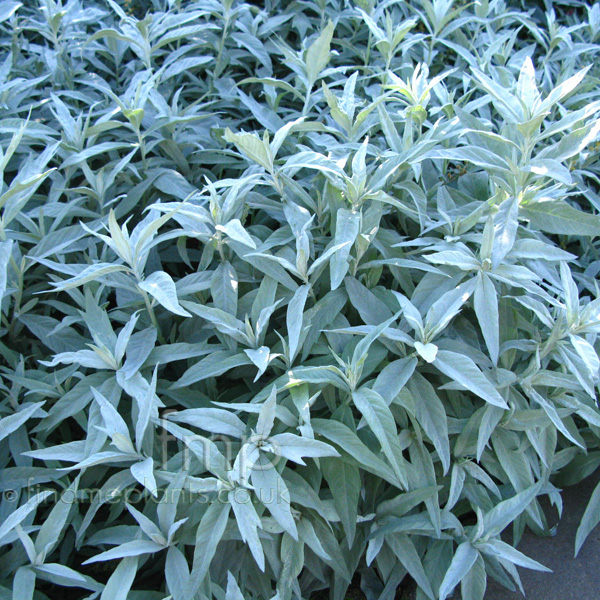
point(559, 217)
point(427, 352)
point(591, 518)
point(133, 548)
point(121, 580)
point(485, 302)
point(89, 273)
point(252, 147)
point(215, 420)
point(294, 320)
point(235, 230)
point(295, 448)
point(18, 516)
point(506, 552)
point(505, 512)
point(381, 421)
point(248, 523)
point(463, 370)
point(266, 416)
point(208, 535)
point(347, 440)
point(5, 254)
point(11, 423)
point(344, 482)
point(224, 287)
point(143, 472)
point(346, 231)
point(161, 287)
point(405, 550)
point(431, 414)
point(213, 365)
point(462, 561)
point(272, 492)
point(318, 53)
point(8, 9)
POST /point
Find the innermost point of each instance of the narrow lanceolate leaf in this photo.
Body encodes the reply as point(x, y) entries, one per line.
point(18, 516)
point(161, 287)
point(5, 253)
point(462, 561)
point(463, 370)
point(485, 301)
point(235, 230)
point(346, 230)
point(591, 518)
point(90, 273)
point(504, 513)
point(317, 55)
point(344, 481)
point(272, 491)
point(13, 422)
point(133, 548)
point(404, 548)
point(224, 288)
point(381, 422)
point(208, 535)
point(295, 320)
point(557, 216)
point(121, 580)
point(213, 365)
point(248, 523)
point(505, 551)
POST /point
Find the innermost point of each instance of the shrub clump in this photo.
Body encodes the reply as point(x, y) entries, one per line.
point(294, 295)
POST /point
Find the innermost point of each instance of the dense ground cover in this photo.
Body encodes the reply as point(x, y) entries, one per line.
point(293, 294)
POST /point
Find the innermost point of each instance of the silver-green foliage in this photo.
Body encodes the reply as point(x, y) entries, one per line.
point(293, 291)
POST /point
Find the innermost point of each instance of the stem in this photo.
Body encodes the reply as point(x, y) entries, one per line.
point(152, 315)
point(306, 101)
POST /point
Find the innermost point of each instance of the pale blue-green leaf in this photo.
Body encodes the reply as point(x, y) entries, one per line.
point(215, 420)
point(161, 287)
point(485, 302)
point(506, 552)
point(215, 364)
point(248, 523)
point(208, 535)
point(89, 273)
point(344, 482)
point(121, 580)
point(427, 352)
point(346, 231)
point(381, 422)
point(224, 287)
point(261, 357)
point(318, 53)
point(505, 512)
point(295, 320)
point(143, 472)
point(266, 416)
point(18, 516)
point(403, 547)
point(11, 423)
point(559, 217)
point(235, 230)
point(463, 370)
point(462, 561)
point(271, 491)
point(233, 591)
point(347, 440)
point(133, 548)
point(295, 448)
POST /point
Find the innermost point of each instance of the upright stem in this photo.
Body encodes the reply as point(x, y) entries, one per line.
point(152, 314)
